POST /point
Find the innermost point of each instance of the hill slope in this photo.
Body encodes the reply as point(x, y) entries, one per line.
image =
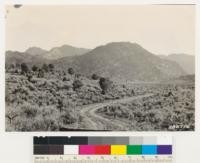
point(187, 62)
point(123, 60)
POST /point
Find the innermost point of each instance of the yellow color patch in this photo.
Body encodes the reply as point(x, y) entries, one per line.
point(118, 149)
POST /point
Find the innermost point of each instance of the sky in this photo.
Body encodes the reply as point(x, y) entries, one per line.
point(161, 29)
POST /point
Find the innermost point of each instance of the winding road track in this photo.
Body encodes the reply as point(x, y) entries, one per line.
point(93, 121)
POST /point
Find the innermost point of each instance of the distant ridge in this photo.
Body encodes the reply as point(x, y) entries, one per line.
point(186, 61)
point(36, 51)
point(34, 55)
point(64, 51)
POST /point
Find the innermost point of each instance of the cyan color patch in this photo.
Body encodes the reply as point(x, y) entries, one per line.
point(149, 149)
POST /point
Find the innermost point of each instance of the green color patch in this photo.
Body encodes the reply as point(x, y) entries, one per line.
point(134, 149)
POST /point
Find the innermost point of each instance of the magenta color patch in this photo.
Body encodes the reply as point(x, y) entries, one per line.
point(86, 149)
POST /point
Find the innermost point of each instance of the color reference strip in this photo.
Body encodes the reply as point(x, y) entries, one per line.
point(103, 149)
point(102, 145)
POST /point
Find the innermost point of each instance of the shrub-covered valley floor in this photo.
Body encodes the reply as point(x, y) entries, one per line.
point(58, 100)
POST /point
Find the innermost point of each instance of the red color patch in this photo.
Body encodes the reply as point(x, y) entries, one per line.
point(102, 149)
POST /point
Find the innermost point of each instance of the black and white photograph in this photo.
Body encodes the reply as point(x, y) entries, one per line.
point(99, 68)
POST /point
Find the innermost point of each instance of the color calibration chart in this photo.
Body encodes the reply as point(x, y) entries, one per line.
point(136, 149)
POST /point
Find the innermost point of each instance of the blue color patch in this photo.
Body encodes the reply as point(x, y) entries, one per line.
point(149, 149)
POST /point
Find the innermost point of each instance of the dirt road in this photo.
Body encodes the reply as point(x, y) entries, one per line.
point(93, 121)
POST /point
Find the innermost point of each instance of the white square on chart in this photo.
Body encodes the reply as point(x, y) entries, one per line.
point(71, 149)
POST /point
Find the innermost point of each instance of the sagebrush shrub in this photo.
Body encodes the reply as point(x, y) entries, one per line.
point(77, 84)
point(95, 77)
point(34, 68)
point(69, 117)
point(29, 110)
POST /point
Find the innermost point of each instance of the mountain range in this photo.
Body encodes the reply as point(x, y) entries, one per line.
point(36, 55)
point(120, 60)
